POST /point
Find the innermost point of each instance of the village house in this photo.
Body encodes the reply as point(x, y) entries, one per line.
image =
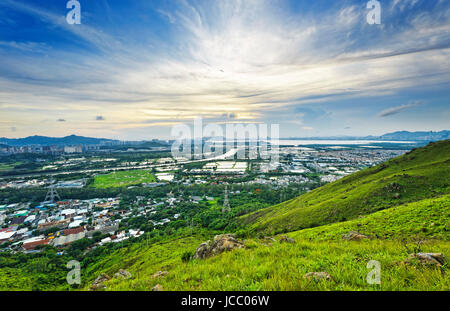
point(69, 236)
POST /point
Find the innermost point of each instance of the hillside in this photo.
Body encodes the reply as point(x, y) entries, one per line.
point(266, 264)
point(425, 219)
point(46, 141)
point(416, 136)
point(420, 174)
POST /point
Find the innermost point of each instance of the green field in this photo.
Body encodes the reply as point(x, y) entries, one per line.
point(123, 179)
point(7, 166)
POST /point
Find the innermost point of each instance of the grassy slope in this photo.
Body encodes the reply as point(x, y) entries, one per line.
point(425, 219)
point(123, 179)
point(281, 266)
point(420, 174)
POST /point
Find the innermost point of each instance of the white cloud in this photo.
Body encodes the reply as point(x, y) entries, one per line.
point(246, 58)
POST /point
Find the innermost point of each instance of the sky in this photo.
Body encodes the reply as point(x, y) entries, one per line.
point(134, 69)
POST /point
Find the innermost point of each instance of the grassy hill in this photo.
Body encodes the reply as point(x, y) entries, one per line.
point(270, 265)
point(425, 219)
point(282, 266)
point(420, 174)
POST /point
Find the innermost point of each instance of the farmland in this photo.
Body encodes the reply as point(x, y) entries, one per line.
point(123, 179)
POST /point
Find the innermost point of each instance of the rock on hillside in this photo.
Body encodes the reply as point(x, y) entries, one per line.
point(354, 236)
point(221, 243)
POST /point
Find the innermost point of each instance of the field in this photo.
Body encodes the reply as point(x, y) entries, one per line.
point(123, 179)
point(8, 166)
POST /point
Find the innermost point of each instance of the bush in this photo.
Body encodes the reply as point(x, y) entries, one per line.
point(187, 256)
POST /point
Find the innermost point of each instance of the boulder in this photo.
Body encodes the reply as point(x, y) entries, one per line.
point(434, 259)
point(267, 241)
point(269, 238)
point(317, 276)
point(99, 282)
point(202, 251)
point(122, 274)
point(160, 274)
point(221, 243)
point(354, 236)
point(157, 288)
point(286, 239)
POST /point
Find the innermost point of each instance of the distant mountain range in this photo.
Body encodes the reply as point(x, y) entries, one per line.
point(48, 141)
point(416, 136)
point(395, 136)
point(80, 140)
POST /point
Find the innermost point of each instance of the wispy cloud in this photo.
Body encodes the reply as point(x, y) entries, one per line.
point(395, 110)
point(247, 60)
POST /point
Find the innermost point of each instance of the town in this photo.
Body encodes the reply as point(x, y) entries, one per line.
point(55, 201)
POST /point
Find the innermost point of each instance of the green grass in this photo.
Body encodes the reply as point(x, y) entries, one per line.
point(281, 266)
point(420, 174)
point(4, 167)
point(143, 258)
point(123, 179)
point(425, 219)
point(402, 205)
point(268, 265)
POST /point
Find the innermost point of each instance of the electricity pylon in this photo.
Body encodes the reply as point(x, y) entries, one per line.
point(52, 194)
point(226, 203)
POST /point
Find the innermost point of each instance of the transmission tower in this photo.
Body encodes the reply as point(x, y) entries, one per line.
point(52, 194)
point(226, 203)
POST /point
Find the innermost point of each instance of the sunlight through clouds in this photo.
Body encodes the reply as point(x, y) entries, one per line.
point(251, 58)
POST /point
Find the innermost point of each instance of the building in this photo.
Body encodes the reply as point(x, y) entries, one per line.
point(73, 149)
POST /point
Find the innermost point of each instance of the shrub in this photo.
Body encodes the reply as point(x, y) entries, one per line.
point(187, 256)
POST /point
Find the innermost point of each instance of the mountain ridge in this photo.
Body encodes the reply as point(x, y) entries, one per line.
point(422, 136)
point(46, 140)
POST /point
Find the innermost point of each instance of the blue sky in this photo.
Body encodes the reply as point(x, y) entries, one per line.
point(134, 69)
